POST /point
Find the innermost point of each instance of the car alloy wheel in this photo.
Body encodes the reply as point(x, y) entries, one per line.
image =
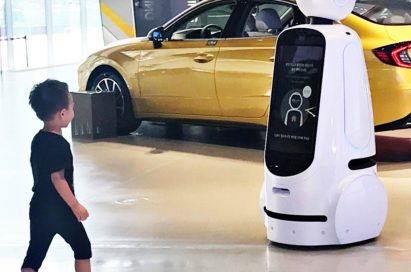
point(110, 81)
point(110, 85)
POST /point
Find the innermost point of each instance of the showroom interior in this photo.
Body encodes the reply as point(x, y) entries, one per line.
point(171, 195)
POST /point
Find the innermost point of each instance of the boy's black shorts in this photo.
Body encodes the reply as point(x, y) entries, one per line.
point(44, 228)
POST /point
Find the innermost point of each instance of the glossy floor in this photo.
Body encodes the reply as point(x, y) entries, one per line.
point(174, 200)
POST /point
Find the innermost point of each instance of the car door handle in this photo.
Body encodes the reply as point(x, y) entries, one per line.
point(204, 58)
point(271, 59)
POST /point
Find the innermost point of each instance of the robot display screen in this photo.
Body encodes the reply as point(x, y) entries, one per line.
point(295, 101)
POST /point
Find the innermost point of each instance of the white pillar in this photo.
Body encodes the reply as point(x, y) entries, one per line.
point(49, 31)
point(83, 27)
point(9, 34)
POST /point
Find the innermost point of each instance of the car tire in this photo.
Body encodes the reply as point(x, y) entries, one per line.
point(109, 81)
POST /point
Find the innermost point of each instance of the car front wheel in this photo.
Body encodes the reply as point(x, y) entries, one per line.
point(109, 81)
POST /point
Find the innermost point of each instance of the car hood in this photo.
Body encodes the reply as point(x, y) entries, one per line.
point(112, 47)
point(127, 41)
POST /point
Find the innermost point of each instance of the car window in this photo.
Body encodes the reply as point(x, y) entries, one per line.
point(387, 12)
point(207, 24)
point(267, 20)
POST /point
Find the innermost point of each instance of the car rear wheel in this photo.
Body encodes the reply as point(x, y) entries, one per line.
point(109, 81)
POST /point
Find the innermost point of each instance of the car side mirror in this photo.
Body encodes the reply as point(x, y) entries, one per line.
point(156, 35)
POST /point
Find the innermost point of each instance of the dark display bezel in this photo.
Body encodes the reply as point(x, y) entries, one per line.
point(292, 163)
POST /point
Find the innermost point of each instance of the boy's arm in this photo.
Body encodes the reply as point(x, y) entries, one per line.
point(62, 187)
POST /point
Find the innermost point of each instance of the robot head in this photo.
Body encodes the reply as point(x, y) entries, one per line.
point(328, 9)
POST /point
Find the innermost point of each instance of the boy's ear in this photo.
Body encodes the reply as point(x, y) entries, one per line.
point(62, 112)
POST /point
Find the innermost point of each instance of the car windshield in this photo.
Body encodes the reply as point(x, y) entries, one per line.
point(386, 12)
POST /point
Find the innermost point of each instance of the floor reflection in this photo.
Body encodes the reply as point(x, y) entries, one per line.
point(217, 135)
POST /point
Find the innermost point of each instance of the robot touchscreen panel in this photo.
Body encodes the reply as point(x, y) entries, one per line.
point(295, 102)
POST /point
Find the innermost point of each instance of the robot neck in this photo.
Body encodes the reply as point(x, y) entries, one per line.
point(320, 21)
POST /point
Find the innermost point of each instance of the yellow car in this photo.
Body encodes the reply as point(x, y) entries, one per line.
point(214, 62)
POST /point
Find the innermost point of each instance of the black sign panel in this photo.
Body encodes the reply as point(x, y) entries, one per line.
point(295, 101)
point(149, 14)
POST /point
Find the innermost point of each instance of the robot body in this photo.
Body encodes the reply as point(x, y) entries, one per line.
point(320, 183)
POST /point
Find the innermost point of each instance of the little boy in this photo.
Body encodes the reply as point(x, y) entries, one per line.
point(54, 208)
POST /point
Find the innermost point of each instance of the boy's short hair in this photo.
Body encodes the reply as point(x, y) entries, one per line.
point(48, 97)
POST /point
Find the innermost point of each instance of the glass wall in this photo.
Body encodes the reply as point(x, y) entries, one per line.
point(94, 33)
point(39, 33)
point(66, 30)
point(27, 39)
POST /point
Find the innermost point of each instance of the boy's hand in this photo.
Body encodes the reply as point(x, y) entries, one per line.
point(62, 187)
point(80, 211)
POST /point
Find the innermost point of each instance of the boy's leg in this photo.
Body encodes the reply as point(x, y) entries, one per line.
point(82, 265)
point(40, 240)
point(75, 235)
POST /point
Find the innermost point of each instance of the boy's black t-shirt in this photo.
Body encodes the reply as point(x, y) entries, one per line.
point(50, 153)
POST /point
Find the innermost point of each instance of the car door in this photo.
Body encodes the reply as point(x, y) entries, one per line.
point(244, 66)
point(178, 77)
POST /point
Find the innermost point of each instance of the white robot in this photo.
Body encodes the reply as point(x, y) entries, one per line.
point(320, 185)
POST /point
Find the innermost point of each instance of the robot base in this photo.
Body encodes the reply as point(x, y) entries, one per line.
point(358, 215)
